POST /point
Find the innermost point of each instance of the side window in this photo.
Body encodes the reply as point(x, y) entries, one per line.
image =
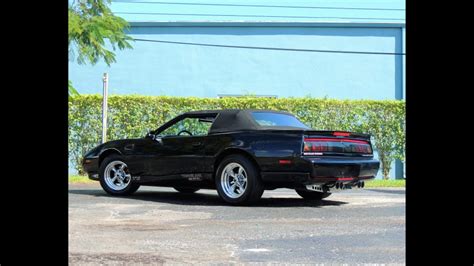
point(189, 127)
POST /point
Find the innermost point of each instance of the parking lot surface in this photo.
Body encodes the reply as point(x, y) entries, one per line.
point(162, 226)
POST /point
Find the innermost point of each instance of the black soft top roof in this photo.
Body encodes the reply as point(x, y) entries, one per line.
point(234, 119)
point(229, 120)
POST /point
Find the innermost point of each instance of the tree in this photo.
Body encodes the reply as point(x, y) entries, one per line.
point(388, 131)
point(93, 27)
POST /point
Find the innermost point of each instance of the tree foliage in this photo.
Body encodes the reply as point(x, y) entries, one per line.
point(92, 27)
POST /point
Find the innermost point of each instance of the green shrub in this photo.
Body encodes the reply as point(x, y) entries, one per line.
point(132, 116)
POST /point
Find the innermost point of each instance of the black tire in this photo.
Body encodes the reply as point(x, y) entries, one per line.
point(129, 189)
point(312, 195)
point(186, 190)
point(254, 186)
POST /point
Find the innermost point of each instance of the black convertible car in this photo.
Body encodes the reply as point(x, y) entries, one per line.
point(238, 152)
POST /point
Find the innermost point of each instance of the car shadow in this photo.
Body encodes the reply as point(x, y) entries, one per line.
point(390, 191)
point(208, 199)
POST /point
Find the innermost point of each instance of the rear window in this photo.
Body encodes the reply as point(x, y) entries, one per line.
point(268, 119)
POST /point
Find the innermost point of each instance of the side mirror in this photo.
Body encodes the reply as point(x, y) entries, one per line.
point(154, 137)
point(157, 139)
point(150, 135)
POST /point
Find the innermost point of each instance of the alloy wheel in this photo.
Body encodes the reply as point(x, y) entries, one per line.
point(117, 176)
point(234, 180)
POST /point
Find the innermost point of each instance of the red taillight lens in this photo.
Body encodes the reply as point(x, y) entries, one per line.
point(338, 145)
point(319, 146)
point(315, 146)
point(307, 147)
point(341, 134)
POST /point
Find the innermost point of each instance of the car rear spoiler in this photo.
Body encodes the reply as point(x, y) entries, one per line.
point(330, 133)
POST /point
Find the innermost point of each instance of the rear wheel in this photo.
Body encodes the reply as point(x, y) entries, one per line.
point(312, 195)
point(238, 181)
point(186, 190)
point(115, 177)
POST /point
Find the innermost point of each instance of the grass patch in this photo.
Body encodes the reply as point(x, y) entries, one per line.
point(80, 179)
point(385, 183)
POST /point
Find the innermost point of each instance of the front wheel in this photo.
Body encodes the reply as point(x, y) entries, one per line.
point(312, 195)
point(115, 177)
point(238, 181)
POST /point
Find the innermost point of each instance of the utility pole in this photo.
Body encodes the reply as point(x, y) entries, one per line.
point(105, 81)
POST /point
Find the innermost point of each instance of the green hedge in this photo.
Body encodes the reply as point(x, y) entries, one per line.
point(133, 116)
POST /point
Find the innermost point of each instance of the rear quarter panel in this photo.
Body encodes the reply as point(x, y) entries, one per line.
point(266, 147)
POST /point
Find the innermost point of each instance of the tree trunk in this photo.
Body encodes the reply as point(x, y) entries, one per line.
point(386, 166)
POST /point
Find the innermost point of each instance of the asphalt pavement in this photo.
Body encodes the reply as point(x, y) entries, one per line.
point(161, 226)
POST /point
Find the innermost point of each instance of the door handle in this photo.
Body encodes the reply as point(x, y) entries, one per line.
point(197, 144)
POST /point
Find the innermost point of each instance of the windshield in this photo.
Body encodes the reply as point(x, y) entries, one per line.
point(189, 126)
point(277, 120)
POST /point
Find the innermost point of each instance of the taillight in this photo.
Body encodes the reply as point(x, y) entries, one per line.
point(337, 145)
point(341, 134)
point(315, 146)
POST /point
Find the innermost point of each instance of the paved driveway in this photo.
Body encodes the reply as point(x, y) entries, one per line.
point(159, 225)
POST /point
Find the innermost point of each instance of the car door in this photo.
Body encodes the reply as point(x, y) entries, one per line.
point(175, 154)
point(180, 155)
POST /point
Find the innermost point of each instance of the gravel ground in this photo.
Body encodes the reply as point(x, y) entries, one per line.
point(161, 226)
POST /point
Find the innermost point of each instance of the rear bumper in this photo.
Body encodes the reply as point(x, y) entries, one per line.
point(322, 171)
point(344, 170)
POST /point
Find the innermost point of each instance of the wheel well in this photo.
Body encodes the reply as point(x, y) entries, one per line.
point(230, 151)
point(107, 153)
